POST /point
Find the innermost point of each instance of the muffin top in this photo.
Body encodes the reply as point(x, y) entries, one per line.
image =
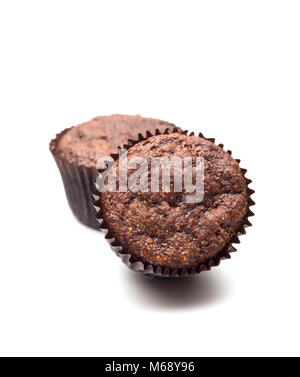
point(161, 228)
point(86, 143)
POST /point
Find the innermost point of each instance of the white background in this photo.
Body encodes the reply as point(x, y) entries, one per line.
point(230, 69)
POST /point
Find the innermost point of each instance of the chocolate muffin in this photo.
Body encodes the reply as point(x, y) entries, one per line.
point(160, 232)
point(77, 149)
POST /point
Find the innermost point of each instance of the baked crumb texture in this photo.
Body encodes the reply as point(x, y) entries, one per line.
point(159, 234)
point(85, 143)
point(77, 149)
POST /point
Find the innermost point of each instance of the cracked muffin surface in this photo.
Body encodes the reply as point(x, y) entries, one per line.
point(161, 228)
point(85, 143)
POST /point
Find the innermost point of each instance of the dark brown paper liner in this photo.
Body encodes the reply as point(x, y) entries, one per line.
point(79, 185)
point(161, 271)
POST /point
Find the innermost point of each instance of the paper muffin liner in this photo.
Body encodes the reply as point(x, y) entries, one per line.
point(79, 185)
point(162, 271)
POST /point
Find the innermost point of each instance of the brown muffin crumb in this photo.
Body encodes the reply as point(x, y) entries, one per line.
point(161, 228)
point(86, 143)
